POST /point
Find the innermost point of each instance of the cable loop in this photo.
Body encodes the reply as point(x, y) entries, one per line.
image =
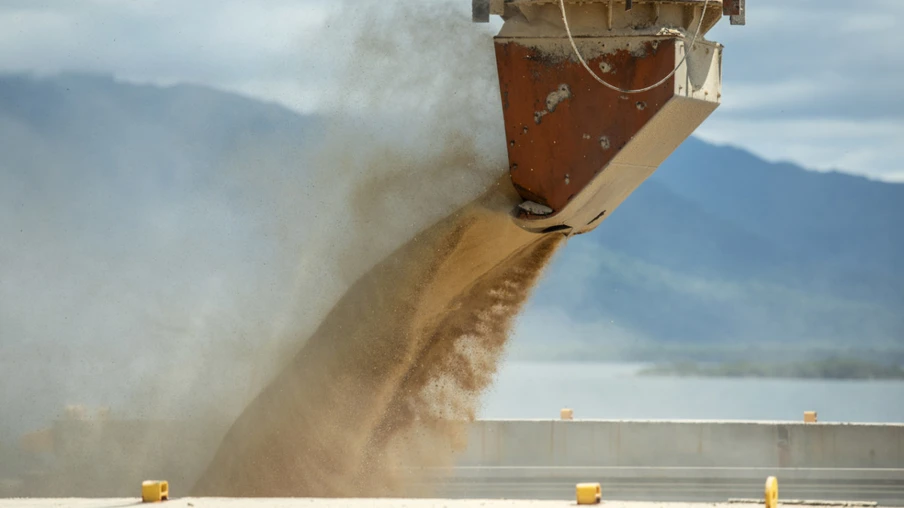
point(622, 90)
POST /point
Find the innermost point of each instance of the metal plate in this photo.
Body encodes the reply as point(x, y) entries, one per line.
point(731, 7)
point(480, 11)
point(562, 126)
point(741, 17)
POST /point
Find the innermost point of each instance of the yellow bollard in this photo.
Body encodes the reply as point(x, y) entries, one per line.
point(589, 493)
point(154, 491)
point(566, 414)
point(809, 416)
point(771, 492)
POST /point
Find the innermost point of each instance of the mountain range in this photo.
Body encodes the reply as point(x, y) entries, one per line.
point(719, 250)
point(722, 250)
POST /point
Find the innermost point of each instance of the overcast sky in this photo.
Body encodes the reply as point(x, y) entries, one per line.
point(817, 82)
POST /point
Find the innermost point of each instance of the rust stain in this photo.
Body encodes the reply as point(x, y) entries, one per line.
point(555, 152)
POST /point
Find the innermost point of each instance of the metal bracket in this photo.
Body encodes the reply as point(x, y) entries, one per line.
point(480, 11)
point(731, 7)
point(739, 14)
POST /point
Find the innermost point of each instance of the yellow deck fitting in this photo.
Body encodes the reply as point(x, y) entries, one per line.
point(809, 416)
point(566, 414)
point(771, 492)
point(154, 491)
point(589, 493)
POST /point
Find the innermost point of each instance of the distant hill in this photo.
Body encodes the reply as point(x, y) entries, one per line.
point(721, 249)
point(132, 217)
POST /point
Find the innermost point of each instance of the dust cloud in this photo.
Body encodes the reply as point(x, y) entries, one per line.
point(412, 132)
point(390, 379)
point(392, 376)
point(393, 273)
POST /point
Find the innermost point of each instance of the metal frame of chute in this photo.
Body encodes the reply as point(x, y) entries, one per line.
point(735, 9)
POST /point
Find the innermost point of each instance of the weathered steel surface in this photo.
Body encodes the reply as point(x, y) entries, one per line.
point(562, 126)
point(731, 7)
point(740, 17)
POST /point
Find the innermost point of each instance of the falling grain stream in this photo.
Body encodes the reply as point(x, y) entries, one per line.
point(395, 371)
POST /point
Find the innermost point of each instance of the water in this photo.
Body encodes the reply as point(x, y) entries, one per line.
point(614, 391)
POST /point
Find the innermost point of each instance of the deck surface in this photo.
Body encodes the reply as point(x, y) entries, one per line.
point(341, 503)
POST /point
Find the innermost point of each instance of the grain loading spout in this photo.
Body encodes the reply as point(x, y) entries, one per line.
point(596, 94)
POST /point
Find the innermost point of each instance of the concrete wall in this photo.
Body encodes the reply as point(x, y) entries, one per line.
point(540, 459)
point(706, 461)
point(684, 444)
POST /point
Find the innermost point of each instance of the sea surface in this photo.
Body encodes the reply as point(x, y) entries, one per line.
point(615, 391)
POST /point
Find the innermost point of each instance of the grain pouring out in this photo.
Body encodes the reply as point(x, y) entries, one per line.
point(393, 374)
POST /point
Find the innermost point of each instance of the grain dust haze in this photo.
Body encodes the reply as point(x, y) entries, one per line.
point(395, 276)
point(393, 374)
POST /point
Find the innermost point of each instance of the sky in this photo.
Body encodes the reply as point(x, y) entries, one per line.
point(816, 82)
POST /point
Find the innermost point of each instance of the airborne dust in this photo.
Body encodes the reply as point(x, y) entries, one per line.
point(394, 373)
point(395, 313)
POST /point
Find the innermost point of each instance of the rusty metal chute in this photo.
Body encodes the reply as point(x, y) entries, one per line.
point(596, 94)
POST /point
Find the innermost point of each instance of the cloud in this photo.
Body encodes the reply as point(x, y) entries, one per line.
point(803, 80)
point(260, 47)
point(856, 145)
point(816, 83)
